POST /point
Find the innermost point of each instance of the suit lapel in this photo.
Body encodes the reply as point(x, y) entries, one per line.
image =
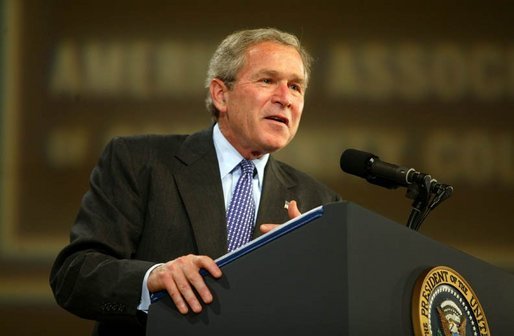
point(199, 183)
point(276, 190)
point(198, 180)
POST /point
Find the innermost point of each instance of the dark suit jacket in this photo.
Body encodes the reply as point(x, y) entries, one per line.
point(153, 199)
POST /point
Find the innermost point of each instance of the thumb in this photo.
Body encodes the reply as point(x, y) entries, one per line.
point(292, 210)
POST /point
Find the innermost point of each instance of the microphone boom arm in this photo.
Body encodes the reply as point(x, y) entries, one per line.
point(427, 194)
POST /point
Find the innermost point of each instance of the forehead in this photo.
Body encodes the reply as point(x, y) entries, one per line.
point(272, 56)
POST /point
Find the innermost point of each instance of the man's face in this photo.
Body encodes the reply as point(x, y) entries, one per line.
point(262, 111)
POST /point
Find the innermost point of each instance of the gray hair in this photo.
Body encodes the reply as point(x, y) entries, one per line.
point(229, 57)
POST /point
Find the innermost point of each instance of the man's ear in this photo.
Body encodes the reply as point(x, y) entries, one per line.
point(218, 91)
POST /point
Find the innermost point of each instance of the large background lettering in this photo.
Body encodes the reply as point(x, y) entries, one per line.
point(429, 86)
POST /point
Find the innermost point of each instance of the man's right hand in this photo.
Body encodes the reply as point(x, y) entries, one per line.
point(180, 276)
point(292, 212)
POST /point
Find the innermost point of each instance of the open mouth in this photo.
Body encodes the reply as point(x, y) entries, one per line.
point(279, 119)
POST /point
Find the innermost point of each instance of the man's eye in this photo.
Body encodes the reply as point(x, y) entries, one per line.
point(266, 81)
point(296, 87)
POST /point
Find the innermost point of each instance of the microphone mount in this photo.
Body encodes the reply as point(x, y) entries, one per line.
point(427, 194)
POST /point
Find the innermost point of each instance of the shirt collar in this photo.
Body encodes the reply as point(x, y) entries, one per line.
point(229, 157)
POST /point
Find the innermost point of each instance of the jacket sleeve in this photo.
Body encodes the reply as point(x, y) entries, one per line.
point(95, 276)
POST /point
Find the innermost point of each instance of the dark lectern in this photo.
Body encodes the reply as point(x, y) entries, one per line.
point(338, 270)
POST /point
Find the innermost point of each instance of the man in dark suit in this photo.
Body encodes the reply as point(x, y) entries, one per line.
point(156, 211)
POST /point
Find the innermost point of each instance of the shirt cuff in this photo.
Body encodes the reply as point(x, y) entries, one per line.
point(145, 302)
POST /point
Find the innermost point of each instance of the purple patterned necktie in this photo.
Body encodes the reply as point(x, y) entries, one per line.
point(240, 214)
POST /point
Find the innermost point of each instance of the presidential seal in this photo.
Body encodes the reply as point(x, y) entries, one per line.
point(443, 304)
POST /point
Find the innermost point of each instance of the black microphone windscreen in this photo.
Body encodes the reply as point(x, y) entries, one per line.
point(356, 162)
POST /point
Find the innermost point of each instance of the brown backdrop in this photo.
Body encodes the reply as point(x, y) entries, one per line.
point(429, 86)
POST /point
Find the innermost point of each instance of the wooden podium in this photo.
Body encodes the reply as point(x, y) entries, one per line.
point(338, 270)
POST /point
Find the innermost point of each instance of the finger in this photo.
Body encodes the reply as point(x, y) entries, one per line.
point(198, 281)
point(292, 210)
point(210, 266)
point(176, 297)
point(265, 228)
point(186, 292)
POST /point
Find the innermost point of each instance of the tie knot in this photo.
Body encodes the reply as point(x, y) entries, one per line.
point(247, 167)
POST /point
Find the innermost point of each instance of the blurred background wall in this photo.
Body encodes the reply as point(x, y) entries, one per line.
point(428, 85)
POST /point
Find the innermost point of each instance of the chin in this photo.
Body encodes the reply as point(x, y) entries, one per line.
point(273, 142)
point(275, 146)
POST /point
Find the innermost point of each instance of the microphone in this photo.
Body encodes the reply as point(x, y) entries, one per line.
point(426, 192)
point(375, 171)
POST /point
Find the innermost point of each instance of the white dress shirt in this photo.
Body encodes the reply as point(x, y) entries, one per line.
point(228, 159)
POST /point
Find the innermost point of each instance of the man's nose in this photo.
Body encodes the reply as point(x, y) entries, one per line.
point(282, 95)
